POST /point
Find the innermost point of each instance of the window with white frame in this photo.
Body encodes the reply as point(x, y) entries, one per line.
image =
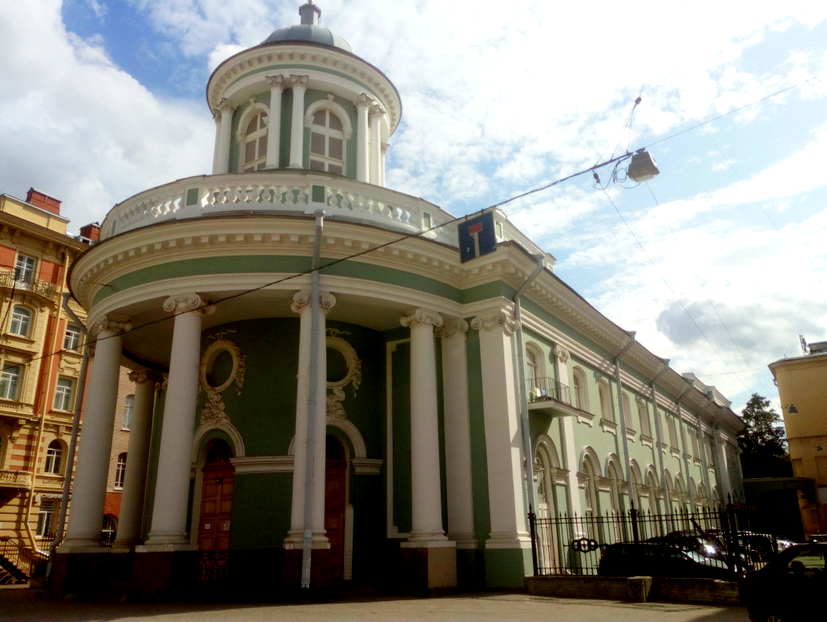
point(45, 518)
point(673, 433)
point(605, 401)
point(54, 458)
point(627, 412)
point(63, 393)
point(128, 406)
point(327, 143)
point(255, 144)
point(581, 399)
point(71, 338)
point(120, 471)
point(24, 271)
point(10, 379)
point(21, 321)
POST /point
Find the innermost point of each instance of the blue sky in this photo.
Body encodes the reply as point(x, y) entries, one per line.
point(718, 264)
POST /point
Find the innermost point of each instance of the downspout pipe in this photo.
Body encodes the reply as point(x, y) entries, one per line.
point(659, 435)
point(522, 389)
point(624, 439)
point(311, 477)
point(73, 441)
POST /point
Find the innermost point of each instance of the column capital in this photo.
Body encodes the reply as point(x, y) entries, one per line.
point(111, 323)
point(298, 81)
point(421, 316)
point(143, 377)
point(301, 301)
point(562, 354)
point(186, 302)
point(499, 319)
point(376, 110)
point(276, 81)
point(452, 330)
point(363, 101)
point(225, 105)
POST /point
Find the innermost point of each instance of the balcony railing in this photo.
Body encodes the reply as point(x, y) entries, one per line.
point(41, 288)
point(544, 389)
point(15, 479)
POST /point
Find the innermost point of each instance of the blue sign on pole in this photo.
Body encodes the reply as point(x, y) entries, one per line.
point(476, 237)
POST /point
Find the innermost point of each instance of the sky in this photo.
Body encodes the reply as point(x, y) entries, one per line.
point(718, 264)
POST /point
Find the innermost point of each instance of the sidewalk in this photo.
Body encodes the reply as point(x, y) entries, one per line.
point(23, 605)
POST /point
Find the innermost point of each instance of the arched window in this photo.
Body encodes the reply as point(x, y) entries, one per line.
point(605, 401)
point(255, 143)
point(120, 471)
point(643, 418)
point(627, 412)
point(327, 143)
point(592, 505)
point(21, 321)
point(673, 433)
point(54, 458)
point(581, 397)
point(543, 465)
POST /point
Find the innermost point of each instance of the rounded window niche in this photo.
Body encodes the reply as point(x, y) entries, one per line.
point(219, 365)
point(343, 366)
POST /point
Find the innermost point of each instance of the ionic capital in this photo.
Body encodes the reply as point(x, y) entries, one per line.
point(185, 303)
point(453, 329)
point(112, 324)
point(563, 355)
point(301, 301)
point(142, 377)
point(225, 105)
point(299, 82)
point(421, 316)
point(500, 319)
point(376, 110)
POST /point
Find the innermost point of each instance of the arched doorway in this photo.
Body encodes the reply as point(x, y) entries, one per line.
point(215, 522)
point(335, 504)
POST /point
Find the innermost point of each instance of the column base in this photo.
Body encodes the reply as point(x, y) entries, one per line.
point(430, 565)
point(80, 571)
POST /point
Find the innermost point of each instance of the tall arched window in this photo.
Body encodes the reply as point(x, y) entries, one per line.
point(54, 458)
point(21, 321)
point(543, 465)
point(120, 471)
point(255, 143)
point(581, 398)
point(643, 417)
point(627, 412)
point(327, 143)
point(605, 401)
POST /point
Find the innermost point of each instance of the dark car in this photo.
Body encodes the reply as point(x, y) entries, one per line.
point(691, 541)
point(659, 560)
point(790, 587)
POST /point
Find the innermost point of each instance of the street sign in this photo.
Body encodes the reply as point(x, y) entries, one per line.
point(477, 237)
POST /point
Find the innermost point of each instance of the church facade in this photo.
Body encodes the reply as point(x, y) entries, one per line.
point(320, 378)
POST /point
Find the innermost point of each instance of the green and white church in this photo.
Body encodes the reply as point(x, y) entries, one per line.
point(372, 420)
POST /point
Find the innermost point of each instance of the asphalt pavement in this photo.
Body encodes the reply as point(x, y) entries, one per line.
point(24, 605)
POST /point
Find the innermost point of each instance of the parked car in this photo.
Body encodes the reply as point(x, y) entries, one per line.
point(659, 560)
point(790, 587)
point(692, 541)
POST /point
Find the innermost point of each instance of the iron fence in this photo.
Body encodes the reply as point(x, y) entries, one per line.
point(543, 389)
point(732, 537)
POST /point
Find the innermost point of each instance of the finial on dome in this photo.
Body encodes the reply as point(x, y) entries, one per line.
point(310, 14)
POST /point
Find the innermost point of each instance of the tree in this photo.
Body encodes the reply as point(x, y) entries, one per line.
point(763, 441)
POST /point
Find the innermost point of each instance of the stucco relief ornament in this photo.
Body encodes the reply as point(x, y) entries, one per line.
point(501, 319)
point(563, 354)
point(214, 410)
point(352, 377)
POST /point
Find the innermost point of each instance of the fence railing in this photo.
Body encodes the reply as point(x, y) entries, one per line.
point(542, 389)
point(17, 560)
point(27, 283)
point(732, 537)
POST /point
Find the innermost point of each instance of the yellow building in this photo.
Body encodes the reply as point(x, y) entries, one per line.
point(802, 388)
point(40, 361)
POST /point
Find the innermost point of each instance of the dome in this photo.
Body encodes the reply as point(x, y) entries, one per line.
point(308, 31)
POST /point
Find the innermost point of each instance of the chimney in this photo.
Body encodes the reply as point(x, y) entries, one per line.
point(45, 202)
point(91, 232)
point(310, 14)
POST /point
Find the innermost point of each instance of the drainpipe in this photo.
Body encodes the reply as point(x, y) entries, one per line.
point(311, 477)
point(659, 437)
point(70, 458)
point(522, 392)
point(624, 439)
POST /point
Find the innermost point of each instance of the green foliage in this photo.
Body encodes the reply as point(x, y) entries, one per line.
point(763, 441)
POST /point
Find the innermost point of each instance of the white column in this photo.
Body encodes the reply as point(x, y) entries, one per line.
point(503, 440)
point(426, 510)
point(169, 511)
point(457, 435)
point(382, 165)
point(274, 121)
point(376, 113)
point(301, 304)
point(721, 468)
point(299, 84)
point(363, 103)
point(221, 164)
point(216, 147)
point(89, 494)
point(570, 453)
point(137, 457)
